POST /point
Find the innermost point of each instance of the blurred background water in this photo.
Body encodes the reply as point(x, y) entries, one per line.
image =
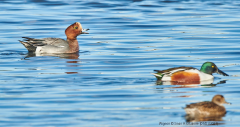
point(109, 83)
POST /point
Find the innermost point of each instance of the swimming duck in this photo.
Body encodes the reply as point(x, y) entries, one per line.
point(207, 108)
point(56, 45)
point(189, 74)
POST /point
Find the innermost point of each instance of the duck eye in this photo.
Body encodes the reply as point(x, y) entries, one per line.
point(212, 66)
point(75, 27)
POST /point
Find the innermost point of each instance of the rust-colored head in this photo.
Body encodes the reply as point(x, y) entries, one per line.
point(219, 99)
point(73, 31)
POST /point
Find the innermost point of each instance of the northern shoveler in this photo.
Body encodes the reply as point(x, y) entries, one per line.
point(189, 74)
point(208, 108)
point(56, 45)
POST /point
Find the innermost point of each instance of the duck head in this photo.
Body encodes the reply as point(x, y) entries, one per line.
point(74, 30)
point(219, 99)
point(210, 67)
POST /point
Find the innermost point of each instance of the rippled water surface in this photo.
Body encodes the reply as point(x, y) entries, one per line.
point(109, 82)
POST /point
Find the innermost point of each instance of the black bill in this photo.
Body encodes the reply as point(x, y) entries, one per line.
point(222, 73)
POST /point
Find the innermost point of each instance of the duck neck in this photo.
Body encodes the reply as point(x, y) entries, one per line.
point(73, 44)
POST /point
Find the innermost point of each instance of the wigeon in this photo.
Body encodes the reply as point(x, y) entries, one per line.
point(56, 45)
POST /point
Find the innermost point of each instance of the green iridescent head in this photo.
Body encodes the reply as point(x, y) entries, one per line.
point(210, 67)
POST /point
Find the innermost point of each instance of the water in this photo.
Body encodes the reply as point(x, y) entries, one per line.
point(109, 83)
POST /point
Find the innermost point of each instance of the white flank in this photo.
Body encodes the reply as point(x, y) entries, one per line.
point(38, 50)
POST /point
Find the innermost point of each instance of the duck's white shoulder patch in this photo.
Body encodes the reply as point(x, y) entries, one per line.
point(204, 76)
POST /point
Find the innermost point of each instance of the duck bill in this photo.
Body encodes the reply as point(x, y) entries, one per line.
point(222, 73)
point(228, 103)
point(83, 31)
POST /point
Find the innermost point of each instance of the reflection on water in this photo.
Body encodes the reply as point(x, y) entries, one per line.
point(71, 58)
point(62, 55)
point(206, 83)
point(197, 118)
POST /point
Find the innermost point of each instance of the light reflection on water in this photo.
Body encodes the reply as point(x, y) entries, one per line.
point(109, 82)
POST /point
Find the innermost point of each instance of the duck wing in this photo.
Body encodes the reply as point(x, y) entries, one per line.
point(173, 70)
point(31, 44)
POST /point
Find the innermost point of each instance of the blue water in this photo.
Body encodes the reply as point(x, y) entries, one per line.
point(109, 82)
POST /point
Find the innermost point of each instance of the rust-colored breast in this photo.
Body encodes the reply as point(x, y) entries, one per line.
point(182, 76)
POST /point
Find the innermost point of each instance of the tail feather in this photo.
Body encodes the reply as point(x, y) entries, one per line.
point(33, 41)
point(28, 46)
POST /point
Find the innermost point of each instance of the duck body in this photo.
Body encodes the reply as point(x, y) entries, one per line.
point(208, 108)
point(56, 45)
point(48, 45)
point(182, 74)
point(188, 74)
point(205, 108)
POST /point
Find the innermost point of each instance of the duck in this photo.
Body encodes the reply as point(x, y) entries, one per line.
point(208, 108)
point(56, 45)
point(189, 74)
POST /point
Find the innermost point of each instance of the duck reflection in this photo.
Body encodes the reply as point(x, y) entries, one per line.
point(72, 58)
point(160, 82)
point(190, 118)
point(62, 55)
point(206, 111)
point(207, 83)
